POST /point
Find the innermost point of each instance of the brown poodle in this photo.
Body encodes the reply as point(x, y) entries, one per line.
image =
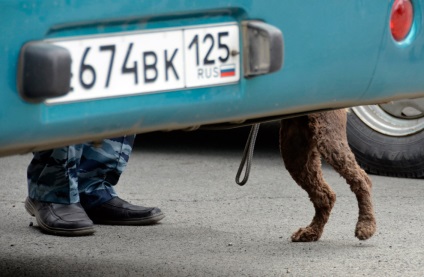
point(302, 141)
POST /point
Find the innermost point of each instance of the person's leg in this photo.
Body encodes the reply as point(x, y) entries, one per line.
point(52, 175)
point(100, 169)
point(53, 196)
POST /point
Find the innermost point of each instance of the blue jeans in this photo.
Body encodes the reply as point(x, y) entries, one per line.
point(79, 173)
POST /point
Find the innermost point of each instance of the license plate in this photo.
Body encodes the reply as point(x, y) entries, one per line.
point(132, 63)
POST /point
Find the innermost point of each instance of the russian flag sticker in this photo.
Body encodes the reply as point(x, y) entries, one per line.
point(228, 70)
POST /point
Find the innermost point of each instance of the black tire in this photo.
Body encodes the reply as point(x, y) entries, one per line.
point(386, 155)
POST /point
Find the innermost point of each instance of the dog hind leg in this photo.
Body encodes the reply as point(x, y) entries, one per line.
point(302, 160)
point(330, 130)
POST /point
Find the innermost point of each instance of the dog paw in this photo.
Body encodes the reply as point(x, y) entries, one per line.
point(307, 234)
point(365, 229)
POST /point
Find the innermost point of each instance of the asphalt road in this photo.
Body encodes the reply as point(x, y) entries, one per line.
point(214, 227)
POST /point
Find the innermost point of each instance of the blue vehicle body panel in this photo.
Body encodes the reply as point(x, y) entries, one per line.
point(336, 54)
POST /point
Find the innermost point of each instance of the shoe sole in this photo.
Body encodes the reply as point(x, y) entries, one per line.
point(30, 208)
point(138, 221)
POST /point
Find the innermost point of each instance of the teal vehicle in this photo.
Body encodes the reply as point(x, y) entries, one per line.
point(75, 71)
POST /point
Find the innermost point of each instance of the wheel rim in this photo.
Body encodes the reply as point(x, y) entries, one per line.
point(375, 117)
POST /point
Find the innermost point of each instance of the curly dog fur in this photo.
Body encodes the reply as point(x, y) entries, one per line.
point(303, 141)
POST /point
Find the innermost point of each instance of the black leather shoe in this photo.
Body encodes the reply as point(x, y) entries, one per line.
point(60, 219)
point(119, 212)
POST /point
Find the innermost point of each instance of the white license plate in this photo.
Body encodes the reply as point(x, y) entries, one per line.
point(145, 62)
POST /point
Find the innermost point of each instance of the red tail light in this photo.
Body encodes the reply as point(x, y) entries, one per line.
point(401, 19)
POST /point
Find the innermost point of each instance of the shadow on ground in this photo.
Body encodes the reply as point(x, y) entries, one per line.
point(193, 141)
